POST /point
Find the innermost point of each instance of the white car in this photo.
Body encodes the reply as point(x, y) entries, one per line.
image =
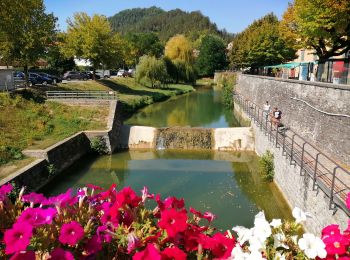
point(121, 73)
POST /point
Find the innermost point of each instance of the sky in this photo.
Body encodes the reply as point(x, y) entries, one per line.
point(233, 15)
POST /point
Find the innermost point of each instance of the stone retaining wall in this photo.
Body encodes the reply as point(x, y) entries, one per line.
point(330, 133)
point(297, 189)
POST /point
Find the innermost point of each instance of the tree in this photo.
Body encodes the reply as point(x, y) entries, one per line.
point(26, 31)
point(323, 25)
point(179, 48)
point(92, 38)
point(152, 70)
point(212, 55)
point(261, 44)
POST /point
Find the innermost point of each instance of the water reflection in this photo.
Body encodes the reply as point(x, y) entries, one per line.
point(200, 108)
point(221, 182)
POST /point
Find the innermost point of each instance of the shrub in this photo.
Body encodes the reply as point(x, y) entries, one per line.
point(267, 167)
point(98, 145)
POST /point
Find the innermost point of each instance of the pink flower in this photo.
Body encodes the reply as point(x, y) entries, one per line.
point(94, 187)
point(173, 253)
point(209, 216)
point(150, 252)
point(196, 212)
point(348, 201)
point(109, 194)
point(145, 194)
point(60, 254)
point(330, 231)
point(133, 242)
point(62, 200)
point(173, 221)
point(336, 244)
point(103, 234)
point(127, 197)
point(172, 202)
point(4, 190)
point(28, 255)
point(34, 198)
point(220, 245)
point(94, 245)
point(37, 216)
point(71, 233)
point(18, 237)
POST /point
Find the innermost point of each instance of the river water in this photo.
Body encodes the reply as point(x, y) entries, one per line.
point(225, 183)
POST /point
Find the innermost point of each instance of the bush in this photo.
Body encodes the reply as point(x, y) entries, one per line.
point(227, 81)
point(267, 167)
point(98, 145)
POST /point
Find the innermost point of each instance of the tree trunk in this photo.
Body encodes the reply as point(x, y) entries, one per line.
point(93, 73)
point(26, 76)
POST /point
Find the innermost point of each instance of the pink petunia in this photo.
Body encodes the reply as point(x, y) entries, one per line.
point(71, 233)
point(28, 255)
point(18, 237)
point(5, 190)
point(145, 194)
point(133, 242)
point(336, 244)
point(103, 232)
point(220, 245)
point(173, 221)
point(127, 196)
point(62, 200)
point(37, 216)
point(330, 231)
point(173, 253)
point(60, 254)
point(34, 198)
point(150, 252)
point(209, 216)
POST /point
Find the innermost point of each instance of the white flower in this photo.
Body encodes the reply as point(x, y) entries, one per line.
point(238, 254)
point(256, 243)
point(255, 255)
point(275, 223)
point(300, 215)
point(279, 256)
point(262, 228)
point(244, 234)
point(312, 246)
point(278, 240)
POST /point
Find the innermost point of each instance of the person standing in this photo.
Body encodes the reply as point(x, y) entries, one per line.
point(266, 109)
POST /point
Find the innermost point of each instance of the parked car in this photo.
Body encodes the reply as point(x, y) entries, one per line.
point(122, 73)
point(54, 79)
point(69, 75)
point(36, 79)
point(19, 79)
point(104, 73)
point(89, 75)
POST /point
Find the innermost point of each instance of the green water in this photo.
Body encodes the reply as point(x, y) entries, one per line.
point(227, 184)
point(200, 108)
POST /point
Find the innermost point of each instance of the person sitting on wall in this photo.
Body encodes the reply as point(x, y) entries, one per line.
point(276, 116)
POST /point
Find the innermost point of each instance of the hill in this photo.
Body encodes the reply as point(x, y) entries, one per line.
point(165, 23)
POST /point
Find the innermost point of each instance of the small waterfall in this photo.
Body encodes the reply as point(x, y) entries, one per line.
point(160, 143)
point(184, 138)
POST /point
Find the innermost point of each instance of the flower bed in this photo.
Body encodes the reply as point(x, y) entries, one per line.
point(112, 224)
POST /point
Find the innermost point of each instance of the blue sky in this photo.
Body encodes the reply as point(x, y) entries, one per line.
point(233, 15)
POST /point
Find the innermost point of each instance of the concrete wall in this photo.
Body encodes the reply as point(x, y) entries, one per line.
point(297, 189)
point(234, 139)
point(330, 133)
point(133, 137)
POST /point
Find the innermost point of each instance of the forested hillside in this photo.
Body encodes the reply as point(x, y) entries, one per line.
point(165, 23)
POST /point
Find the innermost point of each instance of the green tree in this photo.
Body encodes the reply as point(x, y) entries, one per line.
point(212, 55)
point(323, 25)
point(179, 48)
point(151, 70)
point(92, 38)
point(26, 31)
point(261, 44)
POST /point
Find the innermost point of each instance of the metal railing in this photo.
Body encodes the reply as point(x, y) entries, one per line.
point(325, 174)
point(107, 95)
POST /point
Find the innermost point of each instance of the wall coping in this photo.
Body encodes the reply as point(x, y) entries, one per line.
point(302, 82)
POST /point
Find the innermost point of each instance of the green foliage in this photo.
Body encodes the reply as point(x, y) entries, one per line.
point(323, 25)
point(51, 170)
point(227, 81)
point(151, 70)
point(98, 145)
point(260, 44)
point(212, 55)
point(165, 23)
point(267, 167)
point(26, 30)
point(92, 38)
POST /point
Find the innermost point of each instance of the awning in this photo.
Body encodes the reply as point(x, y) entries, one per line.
point(290, 65)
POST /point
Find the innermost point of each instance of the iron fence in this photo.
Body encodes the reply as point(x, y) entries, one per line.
point(326, 174)
point(107, 95)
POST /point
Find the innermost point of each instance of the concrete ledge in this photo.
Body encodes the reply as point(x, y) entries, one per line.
point(234, 139)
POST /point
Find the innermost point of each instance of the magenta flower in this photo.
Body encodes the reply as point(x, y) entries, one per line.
point(37, 216)
point(150, 252)
point(34, 198)
point(94, 245)
point(330, 231)
point(209, 216)
point(60, 254)
point(28, 255)
point(173, 221)
point(4, 190)
point(103, 234)
point(133, 242)
point(71, 233)
point(127, 196)
point(63, 199)
point(145, 194)
point(18, 237)
point(94, 187)
point(173, 253)
point(336, 244)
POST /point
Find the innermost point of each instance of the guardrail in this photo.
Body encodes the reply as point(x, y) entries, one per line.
point(325, 173)
point(107, 95)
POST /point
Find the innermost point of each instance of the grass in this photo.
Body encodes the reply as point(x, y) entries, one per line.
point(131, 94)
point(27, 121)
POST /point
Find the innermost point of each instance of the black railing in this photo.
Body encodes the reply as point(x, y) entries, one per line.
point(107, 95)
point(325, 173)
